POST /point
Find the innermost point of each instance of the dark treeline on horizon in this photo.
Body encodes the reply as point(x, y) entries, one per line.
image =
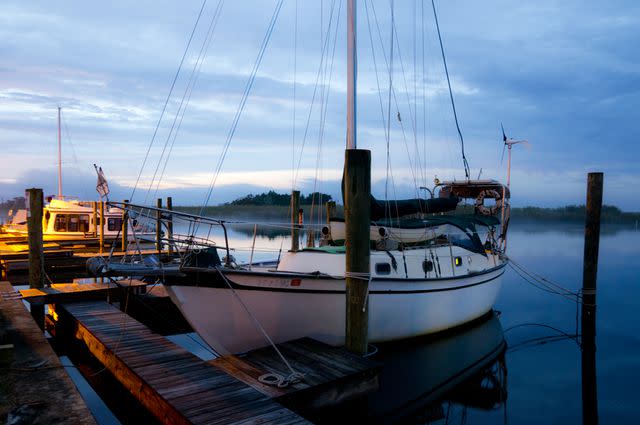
point(258, 205)
point(274, 198)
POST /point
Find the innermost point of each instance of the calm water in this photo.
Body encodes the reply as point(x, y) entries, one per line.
point(463, 377)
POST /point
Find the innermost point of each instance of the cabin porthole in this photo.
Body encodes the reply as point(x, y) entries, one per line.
point(458, 261)
point(383, 268)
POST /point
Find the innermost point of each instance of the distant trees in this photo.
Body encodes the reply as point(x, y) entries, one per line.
point(610, 214)
point(274, 198)
point(17, 203)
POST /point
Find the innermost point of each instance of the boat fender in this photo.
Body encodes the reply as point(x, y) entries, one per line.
point(489, 193)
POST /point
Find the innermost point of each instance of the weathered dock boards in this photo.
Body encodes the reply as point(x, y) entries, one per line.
point(33, 384)
point(61, 292)
point(331, 374)
point(175, 385)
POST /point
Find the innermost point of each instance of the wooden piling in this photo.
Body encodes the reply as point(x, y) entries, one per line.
point(295, 230)
point(357, 205)
point(331, 210)
point(36, 251)
point(170, 226)
point(159, 226)
point(94, 218)
point(101, 229)
point(125, 219)
point(589, 277)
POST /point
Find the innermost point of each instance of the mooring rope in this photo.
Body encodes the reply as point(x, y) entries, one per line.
point(267, 378)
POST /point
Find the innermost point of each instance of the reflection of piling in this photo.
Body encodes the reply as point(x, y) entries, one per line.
point(588, 339)
point(295, 230)
point(36, 254)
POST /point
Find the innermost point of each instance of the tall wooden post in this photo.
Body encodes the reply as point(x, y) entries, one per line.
point(36, 254)
point(125, 227)
point(331, 210)
point(101, 229)
point(357, 206)
point(159, 227)
point(94, 218)
point(589, 277)
point(295, 229)
point(170, 226)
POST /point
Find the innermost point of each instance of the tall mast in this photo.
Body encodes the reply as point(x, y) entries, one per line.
point(59, 158)
point(352, 73)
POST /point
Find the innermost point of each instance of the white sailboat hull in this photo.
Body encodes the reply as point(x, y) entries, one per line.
point(315, 307)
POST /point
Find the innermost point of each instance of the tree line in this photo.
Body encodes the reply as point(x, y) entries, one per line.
point(274, 198)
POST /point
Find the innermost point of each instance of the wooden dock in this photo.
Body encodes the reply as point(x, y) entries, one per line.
point(67, 256)
point(331, 374)
point(65, 292)
point(178, 387)
point(173, 384)
point(34, 387)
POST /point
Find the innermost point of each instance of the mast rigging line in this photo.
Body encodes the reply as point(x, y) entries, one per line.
point(324, 104)
point(193, 78)
point(243, 101)
point(395, 101)
point(166, 102)
point(453, 105)
point(313, 97)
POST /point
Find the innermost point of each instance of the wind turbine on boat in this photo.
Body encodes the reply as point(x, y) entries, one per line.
point(508, 143)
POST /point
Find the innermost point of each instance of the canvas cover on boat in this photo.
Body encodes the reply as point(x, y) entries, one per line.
point(465, 222)
point(402, 207)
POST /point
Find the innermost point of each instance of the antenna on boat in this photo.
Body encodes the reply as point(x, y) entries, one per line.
point(59, 157)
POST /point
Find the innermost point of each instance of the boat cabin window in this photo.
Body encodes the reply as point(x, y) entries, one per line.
point(383, 268)
point(71, 223)
point(463, 240)
point(114, 223)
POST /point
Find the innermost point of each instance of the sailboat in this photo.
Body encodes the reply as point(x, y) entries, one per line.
point(66, 218)
point(429, 271)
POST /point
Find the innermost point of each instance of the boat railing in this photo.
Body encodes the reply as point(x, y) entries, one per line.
point(166, 218)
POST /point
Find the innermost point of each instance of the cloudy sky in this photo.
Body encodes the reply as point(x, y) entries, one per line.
point(563, 75)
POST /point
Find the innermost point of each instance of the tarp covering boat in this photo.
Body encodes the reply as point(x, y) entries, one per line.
point(397, 208)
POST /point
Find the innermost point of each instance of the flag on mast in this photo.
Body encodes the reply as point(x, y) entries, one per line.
point(102, 186)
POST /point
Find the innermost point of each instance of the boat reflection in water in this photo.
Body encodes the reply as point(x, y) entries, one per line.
point(425, 379)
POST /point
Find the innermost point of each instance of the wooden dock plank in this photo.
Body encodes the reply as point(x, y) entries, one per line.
point(47, 390)
point(61, 292)
point(331, 374)
point(172, 383)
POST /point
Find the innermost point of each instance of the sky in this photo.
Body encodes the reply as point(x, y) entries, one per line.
point(563, 75)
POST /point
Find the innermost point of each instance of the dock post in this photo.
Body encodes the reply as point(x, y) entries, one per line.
point(36, 255)
point(94, 217)
point(295, 230)
point(159, 227)
point(331, 210)
point(170, 226)
point(125, 227)
point(101, 229)
point(357, 206)
point(589, 277)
